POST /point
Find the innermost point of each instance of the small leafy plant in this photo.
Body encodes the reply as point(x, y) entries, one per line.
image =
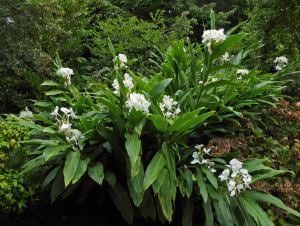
point(142, 138)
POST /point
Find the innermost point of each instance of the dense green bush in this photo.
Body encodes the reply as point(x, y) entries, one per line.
point(143, 140)
point(15, 188)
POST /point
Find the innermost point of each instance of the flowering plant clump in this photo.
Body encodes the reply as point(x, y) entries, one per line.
point(137, 137)
point(236, 177)
point(169, 107)
point(280, 63)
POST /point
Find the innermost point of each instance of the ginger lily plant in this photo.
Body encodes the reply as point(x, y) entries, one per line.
point(139, 137)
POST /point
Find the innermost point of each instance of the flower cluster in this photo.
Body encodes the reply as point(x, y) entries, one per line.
point(213, 36)
point(169, 107)
point(63, 116)
point(138, 102)
point(280, 63)
point(198, 157)
point(65, 73)
point(9, 20)
point(225, 57)
point(210, 37)
point(26, 114)
point(128, 83)
point(242, 72)
point(120, 61)
point(237, 178)
point(135, 101)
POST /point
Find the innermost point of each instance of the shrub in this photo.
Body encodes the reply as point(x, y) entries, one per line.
point(143, 139)
point(15, 188)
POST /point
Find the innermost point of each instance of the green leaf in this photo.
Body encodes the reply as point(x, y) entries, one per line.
point(259, 215)
point(263, 197)
point(159, 122)
point(165, 200)
point(210, 176)
point(49, 83)
point(49, 130)
point(158, 89)
point(201, 185)
point(187, 216)
point(135, 186)
point(52, 151)
point(110, 178)
point(54, 92)
point(71, 165)
point(212, 19)
point(188, 121)
point(122, 202)
point(222, 209)
point(148, 207)
point(186, 182)
point(81, 169)
point(153, 170)
point(96, 172)
point(57, 187)
point(133, 147)
point(36, 162)
point(50, 177)
point(160, 180)
point(209, 216)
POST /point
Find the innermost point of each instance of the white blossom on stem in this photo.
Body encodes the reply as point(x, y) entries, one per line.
point(138, 102)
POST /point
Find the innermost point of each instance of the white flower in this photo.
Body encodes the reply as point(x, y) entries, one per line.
point(26, 114)
point(225, 57)
point(199, 146)
point(239, 78)
point(278, 68)
point(121, 60)
point(65, 128)
point(128, 82)
point(116, 86)
point(55, 112)
point(68, 112)
point(9, 20)
point(169, 107)
point(138, 102)
point(224, 175)
point(242, 72)
point(236, 177)
point(235, 164)
point(281, 60)
point(200, 82)
point(66, 74)
point(210, 36)
point(231, 185)
point(75, 135)
point(196, 158)
point(206, 150)
point(199, 159)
